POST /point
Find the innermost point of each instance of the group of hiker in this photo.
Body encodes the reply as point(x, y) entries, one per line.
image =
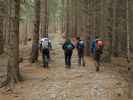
point(96, 50)
point(68, 47)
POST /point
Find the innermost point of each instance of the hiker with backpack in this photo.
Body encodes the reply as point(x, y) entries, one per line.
point(45, 45)
point(68, 51)
point(97, 50)
point(80, 50)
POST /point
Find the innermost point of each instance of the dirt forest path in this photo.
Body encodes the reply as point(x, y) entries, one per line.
point(59, 83)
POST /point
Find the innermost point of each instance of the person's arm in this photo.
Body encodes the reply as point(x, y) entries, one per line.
point(40, 45)
point(73, 46)
point(50, 44)
point(63, 46)
point(77, 45)
point(83, 44)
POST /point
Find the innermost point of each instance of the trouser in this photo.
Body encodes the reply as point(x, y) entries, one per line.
point(49, 57)
point(81, 59)
point(97, 58)
point(68, 56)
point(45, 56)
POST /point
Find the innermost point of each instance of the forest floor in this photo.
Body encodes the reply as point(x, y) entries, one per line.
point(77, 83)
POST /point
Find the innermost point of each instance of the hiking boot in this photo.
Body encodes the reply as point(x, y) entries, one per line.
point(129, 69)
point(97, 69)
point(32, 61)
point(84, 65)
point(44, 66)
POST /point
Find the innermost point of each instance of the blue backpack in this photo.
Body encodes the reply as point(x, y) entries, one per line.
point(69, 46)
point(81, 45)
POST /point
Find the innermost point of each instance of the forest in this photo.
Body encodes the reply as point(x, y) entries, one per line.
point(23, 23)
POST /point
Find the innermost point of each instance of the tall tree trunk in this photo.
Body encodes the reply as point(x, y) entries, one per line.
point(114, 42)
point(128, 34)
point(26, 32)
point(36, 32)
point(76, 17)
point(1, 35)
point(67, 18)
point(107, 29)
point(44, 17)
point(13, 73)
point(1, 28)
point(87, 26)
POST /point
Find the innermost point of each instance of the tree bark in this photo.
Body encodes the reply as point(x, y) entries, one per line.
point(1, 35)
point(44, 17)
point(1, 28)
point(128, 34)
point(36, 32)
point(114, 43)
point(26, 33)
point(76, 17)
point(67, 18)
point(13, 72)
